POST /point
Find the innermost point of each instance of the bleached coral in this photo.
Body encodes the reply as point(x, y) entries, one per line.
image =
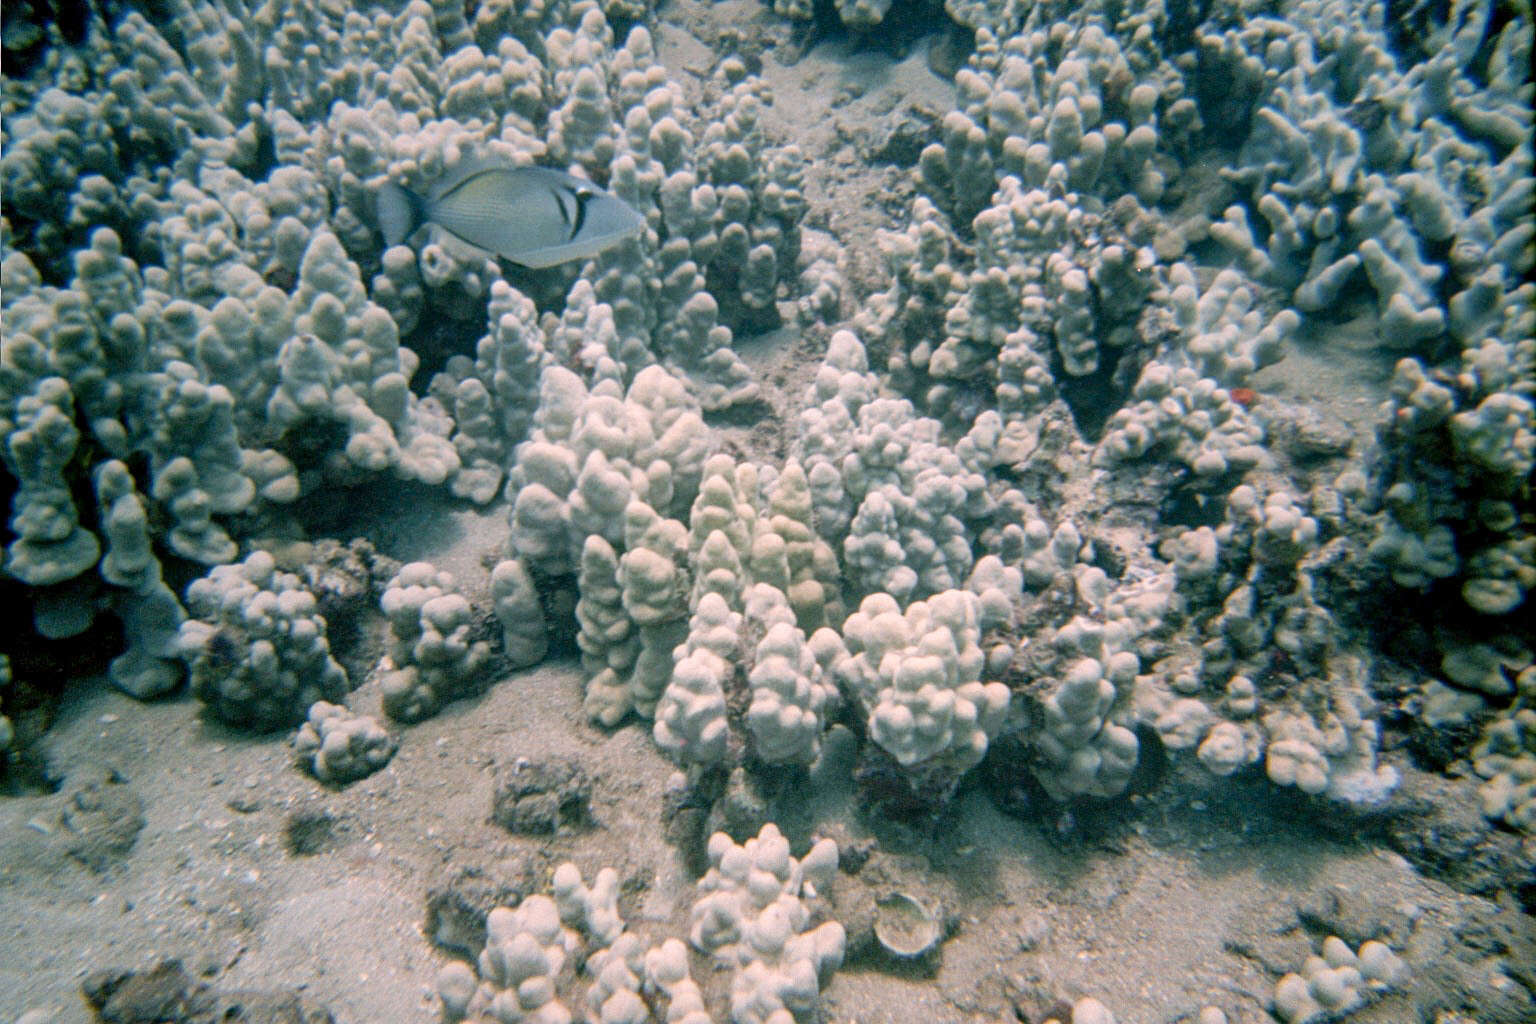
point(255, 645)
point(1190, 417)
point(882, 483)
point(1338, 981)
point(753, 913)
point(525, 949)
point(434, 654)
point(1083, 749)
point(591, 452)
point(524, 637)
point(1505, 757)
point(1345, 198)
point(232, 338)
point(918, 674)
point(690, 716)
point(338, 747)
point(1476, 427)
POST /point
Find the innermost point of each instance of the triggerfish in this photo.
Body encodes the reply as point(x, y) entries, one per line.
point(533, 216)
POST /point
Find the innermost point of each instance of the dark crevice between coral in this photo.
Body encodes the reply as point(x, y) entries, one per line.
point(334, 511)
point(1152, 764)
point(41, 669)
point(25, 37)
point(557, 600)
point(740, 414)
point(1007, 777)
point(904, 25)
point(744, 319)
point(1409, 26)
point(8, 488)
point(42, 246)
point(306, 444)
point(1184, 16)
point(435, 340)
point(1433, 748)
point(73, 17)
point(686, 814)
point(264, 158)
point(1207, 252)
point(950, 48)
point(782, 787)
point(1411, 626)
point(1094, 397)
point(176, 572)
point(1197, 501)
point(1500, 16)
point(958, 403)
point(440, 333)
point(1225, 110)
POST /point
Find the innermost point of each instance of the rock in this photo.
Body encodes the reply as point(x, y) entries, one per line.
point(456, 910)
point(166, 994)
point(347, 581)
point(1446, 836)
point(131, 997)
point(102, 820)
point(1338, 910)
point(1303, 433)
point(901, 138)
point(853, 906)
point(1034, 931)
point(741, 810)
point(308, 832)
point(539, 798)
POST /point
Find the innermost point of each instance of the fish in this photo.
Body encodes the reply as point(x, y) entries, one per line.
point(533, 216)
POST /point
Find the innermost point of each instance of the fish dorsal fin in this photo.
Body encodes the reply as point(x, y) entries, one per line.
point(468, 168)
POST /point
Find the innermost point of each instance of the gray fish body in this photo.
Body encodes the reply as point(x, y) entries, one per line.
point(534, 216)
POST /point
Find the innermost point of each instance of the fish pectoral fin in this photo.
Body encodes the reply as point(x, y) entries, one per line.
point(398, 210)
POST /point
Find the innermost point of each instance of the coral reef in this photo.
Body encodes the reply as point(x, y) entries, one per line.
point(1035, 500)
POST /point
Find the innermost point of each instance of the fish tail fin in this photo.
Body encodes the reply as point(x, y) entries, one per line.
point(400, 212)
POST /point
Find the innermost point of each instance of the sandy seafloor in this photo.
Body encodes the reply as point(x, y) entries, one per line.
point(1182, 905)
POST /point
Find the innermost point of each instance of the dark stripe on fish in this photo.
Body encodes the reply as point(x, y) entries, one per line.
point(581, 212)
point(565, 215)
